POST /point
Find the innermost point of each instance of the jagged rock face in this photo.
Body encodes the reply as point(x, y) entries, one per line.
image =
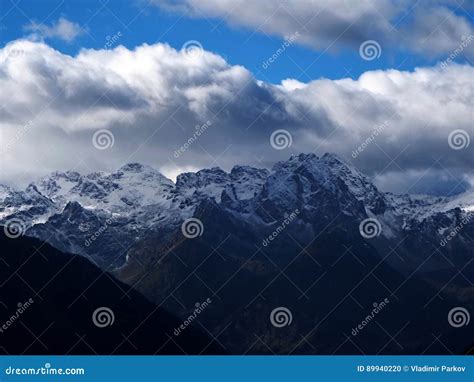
point(289, 236)
point(101, 215)
point(112, 211)
point(30, 205)
point(318, 266)
point(132, 185)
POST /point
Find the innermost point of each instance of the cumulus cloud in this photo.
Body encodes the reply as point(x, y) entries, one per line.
point(430, 27)
point(62, 29)
point(177, 111)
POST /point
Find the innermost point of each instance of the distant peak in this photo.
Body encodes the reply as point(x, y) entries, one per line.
point(72, 206)
point(303, 157)
point(241, 170)
point(70, 175)
point(333, 157)
point(212, 170)
point(133, 167)
point(297, 160)
point(32, 188)
point(336, 161)
point(4, 188)
point(140, 172)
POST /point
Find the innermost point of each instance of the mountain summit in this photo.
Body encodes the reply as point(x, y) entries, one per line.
point(312, 234)
point(137, 199)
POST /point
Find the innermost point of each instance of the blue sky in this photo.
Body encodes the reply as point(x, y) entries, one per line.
point(139, 22)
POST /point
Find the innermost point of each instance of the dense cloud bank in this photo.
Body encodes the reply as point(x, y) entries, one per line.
point(184, 110)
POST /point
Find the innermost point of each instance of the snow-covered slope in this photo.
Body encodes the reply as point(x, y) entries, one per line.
point(102, 214)
point(132, 186)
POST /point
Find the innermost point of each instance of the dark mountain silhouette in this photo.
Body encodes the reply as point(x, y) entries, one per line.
point(330, 288)
point(52, 297)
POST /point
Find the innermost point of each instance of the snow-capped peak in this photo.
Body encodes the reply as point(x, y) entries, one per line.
point(133, 184)
point(140, 198)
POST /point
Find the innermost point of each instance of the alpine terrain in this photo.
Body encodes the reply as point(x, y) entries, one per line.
point(308, 257)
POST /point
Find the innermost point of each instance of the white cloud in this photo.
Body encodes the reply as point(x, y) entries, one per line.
point(62, 29)
point(172, 172)
point(439, 32)
point(151, 99)
point(426, 27)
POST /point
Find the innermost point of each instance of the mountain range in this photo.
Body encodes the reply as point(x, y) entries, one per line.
point(312, 235)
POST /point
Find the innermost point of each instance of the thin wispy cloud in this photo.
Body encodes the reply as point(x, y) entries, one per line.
point(62, 29)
